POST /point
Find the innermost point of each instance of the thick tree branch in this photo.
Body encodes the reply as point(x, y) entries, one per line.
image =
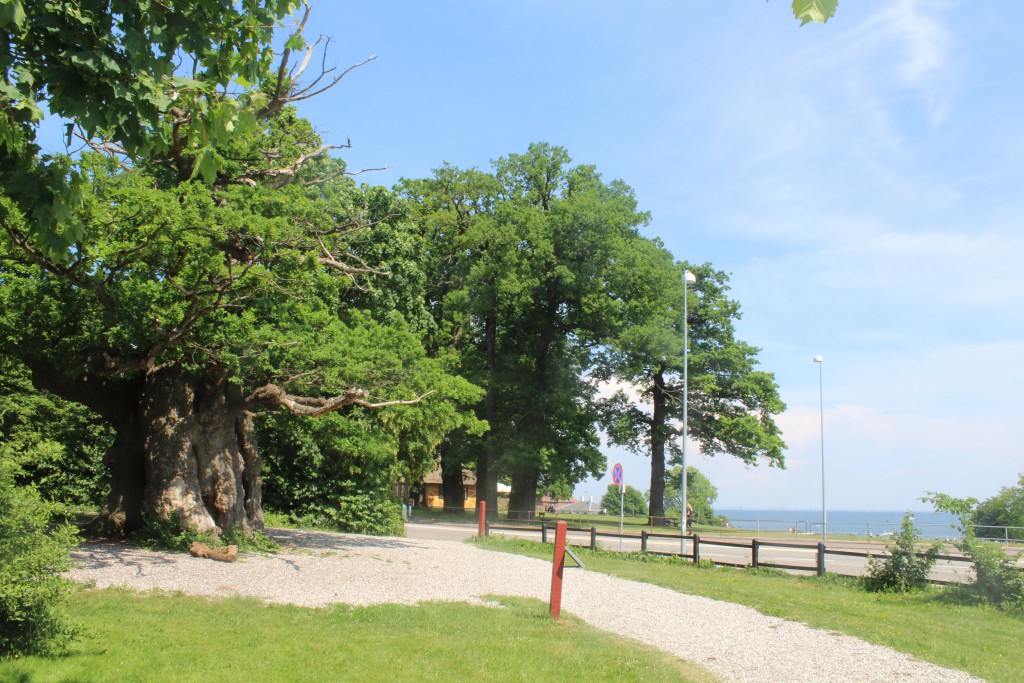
point(305, 406)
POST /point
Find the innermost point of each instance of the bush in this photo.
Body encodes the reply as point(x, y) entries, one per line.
point(998, 581)
point(904, 570)
point(373, 514)
point(32, 557)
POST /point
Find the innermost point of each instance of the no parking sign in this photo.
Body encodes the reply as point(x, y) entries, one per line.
point(617, 474)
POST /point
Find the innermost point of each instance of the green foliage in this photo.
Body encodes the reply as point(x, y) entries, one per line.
point(905, 569)
point(519, 287)
point(998, 580)
point(374, 514)
point(115, 70)
point(32, 556)
point(55, 445)
point(763, 571)
point(632, 503)
point(731, 404)
point(171, 533)
point(1004, 509)
point(700, 494)
point(279, 289)
point(814, 10)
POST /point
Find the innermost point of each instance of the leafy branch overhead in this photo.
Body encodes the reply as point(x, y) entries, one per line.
point(814, 10)
point(164, 83)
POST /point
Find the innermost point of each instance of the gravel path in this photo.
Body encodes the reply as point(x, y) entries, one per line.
point(314, 569)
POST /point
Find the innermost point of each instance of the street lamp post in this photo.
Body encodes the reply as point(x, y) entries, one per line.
point(821, 412)
point(688, 279)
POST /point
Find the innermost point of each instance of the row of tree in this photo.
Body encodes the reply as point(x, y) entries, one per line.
point(212, 285)
point(544, 290)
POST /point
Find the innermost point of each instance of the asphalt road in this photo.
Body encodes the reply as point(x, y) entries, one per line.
point(799, 557)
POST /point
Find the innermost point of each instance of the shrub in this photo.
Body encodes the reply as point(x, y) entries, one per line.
point(998, 581)
point(374, 514)
point(32, 557)
point(904, 569)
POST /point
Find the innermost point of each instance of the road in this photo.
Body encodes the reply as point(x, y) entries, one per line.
point(799, 557)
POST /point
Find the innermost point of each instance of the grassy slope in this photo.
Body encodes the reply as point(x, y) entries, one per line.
point(982, 641)
point(164, 637)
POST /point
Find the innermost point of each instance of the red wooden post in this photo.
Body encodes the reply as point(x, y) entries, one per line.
point(482, 523)
point(557, 567)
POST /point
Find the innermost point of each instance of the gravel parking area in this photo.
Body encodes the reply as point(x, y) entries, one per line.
point(315, 569)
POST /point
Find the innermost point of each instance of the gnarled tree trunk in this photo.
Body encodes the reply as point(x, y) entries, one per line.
point(201, 460)
point(183, 449)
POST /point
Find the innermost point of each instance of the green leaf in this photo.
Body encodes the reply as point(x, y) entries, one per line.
point(814, 10)
point(258, 100)
point(206, 165)
point(11, 12)
point(295, 42)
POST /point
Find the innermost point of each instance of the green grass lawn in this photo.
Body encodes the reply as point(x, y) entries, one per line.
point(979, 640)
point(168, 637)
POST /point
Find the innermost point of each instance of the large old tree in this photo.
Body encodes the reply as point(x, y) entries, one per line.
point(731, 405)
point(522, 286)
point(209, 278)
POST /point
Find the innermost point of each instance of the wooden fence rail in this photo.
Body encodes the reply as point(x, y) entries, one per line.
point(695, 542)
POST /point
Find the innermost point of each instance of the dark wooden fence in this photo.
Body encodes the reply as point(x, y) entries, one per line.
point(754, 545)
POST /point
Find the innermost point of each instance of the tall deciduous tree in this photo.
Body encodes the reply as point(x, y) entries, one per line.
point(521, 286)
point(731, 404)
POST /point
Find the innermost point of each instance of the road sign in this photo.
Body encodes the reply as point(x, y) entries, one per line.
point(617, 474)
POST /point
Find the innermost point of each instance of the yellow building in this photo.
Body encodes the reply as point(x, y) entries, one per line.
point(434, 495)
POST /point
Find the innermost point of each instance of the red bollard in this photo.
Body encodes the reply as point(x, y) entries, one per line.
point(482, 524)
point(557, 567)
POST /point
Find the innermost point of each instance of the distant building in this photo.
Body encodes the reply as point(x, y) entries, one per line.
point(579, 507)
point(433, 493)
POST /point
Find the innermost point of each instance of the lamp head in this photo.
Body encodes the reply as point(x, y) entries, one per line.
point(819, 359)
point(689, 278)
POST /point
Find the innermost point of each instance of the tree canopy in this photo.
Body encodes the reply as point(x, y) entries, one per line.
point(630, 501)
point(224, 264)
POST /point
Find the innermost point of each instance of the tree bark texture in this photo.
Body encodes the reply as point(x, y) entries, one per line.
point(201, 457)
point(184, 448)
point(659, 417)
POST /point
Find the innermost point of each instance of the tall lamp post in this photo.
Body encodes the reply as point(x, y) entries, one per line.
point(688, 279)
point(821, 412)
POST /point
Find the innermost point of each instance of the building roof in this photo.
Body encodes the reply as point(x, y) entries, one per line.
point(579, 507)
point(468, 478)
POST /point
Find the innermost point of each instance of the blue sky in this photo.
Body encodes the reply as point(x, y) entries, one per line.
point(861, 181)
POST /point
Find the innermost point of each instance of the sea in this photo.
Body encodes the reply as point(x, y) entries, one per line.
point(868, 523)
